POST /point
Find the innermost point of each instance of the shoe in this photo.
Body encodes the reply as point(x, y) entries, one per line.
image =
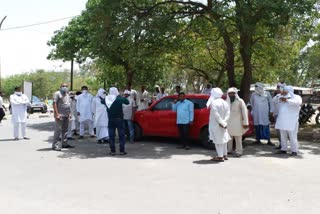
point(225, 158)
point(238, 155)
point(57, 149)
point(180, 147)
point(92, 136)
point(112, 153)
point(294, 154)
point(270, 143)
point(70, 138)
point(16, 139)
point(99, 142)
point(187, 148)
point(80, 137)
point(281, 152)
point(257, 142)
point(68, 146)
point(278, 147)
point(105, 141)
point(123, 153)
point(26, 138)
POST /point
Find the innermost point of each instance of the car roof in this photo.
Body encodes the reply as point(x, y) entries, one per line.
point(199, 96)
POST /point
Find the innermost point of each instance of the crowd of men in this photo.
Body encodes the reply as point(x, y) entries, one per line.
point(107, 112)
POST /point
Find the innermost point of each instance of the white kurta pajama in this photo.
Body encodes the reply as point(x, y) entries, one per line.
point(145, 103)
point(84, 102)
point(100, 116)
point(19, 105)
point(219, 115)
point(238, 119)
point(288, 121)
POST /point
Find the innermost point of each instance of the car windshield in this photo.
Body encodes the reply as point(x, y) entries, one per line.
point(35, 99)
point(166, 104)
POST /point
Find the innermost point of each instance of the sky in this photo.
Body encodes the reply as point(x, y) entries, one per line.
point(25, 49)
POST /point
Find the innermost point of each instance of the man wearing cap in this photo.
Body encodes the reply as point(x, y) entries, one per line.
point(218, 123)
point(238, 122)
point(260, 102)
point(275, 108)
point(288, 119)
point(128, 113)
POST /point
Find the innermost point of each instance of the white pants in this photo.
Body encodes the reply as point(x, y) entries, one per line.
point(102, 132)
point(221, 149)
point(291, 136)
point(238, 140)
point(16, 127)
point(82, 125)
point(72, 127)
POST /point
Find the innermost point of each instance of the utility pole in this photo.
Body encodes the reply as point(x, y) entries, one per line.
point(0, 57)
point(71, 75)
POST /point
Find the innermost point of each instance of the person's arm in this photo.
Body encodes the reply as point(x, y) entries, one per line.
point(55, 107)
point(123, 100)
point(78, 105)
point(191, 112)
point(175, 106)
point(296, 101)
point(93, 105)
point(244, 112)
point(217, 117)
point(13, 101)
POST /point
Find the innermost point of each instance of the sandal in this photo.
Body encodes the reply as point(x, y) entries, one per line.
point(225, 157)
point(217, 159)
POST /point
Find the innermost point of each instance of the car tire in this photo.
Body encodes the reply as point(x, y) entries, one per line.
point(204, 138)
point(137, 132)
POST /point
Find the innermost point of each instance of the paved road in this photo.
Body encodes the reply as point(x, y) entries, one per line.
point(155, 178)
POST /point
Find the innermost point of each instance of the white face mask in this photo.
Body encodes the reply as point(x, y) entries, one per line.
point(18, 93)
point(85, 91)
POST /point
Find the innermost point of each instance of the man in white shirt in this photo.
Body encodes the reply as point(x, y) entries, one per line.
point(2, 108)
point(19, 105)
point(143, 99)
point(288, 119)
point(84, 110)
point(161, 94)
point(128, 114)
point(133, 96)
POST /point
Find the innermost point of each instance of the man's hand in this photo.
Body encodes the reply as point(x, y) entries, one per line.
point(283, 99)
point(222, 126)
point(57, 116)
point(175, 101)
point(245, 126)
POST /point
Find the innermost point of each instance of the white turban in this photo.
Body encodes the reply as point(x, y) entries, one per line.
point(232, 90)
point(101, 91)
point(290, 91)
point(259, 89)
point(216, 93)
point(113, 93)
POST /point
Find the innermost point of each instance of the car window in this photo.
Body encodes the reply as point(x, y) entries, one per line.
point(35, 99)
point(199, 103)
point(164, 104)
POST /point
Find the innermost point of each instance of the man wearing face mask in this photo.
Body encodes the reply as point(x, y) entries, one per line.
point(238, 122)
point(19, 104)
point(62, 110)
point(101, 119)
point(84, 110)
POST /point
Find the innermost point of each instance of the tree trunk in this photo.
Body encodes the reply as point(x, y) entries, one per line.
point(229, 60)
point(246, 55)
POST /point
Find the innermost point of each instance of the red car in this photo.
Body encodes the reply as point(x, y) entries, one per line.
point(160, 120)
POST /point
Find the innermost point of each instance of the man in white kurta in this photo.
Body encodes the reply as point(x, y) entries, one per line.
point(288, 119)
point(72, 128)
point(161, 94)
point(238, 122)
point(84, 110)
point(218, 121)
point(143, 99)
point(101, 120)
point(19, 104)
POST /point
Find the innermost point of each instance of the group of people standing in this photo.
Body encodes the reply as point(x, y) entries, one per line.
point(229, 121)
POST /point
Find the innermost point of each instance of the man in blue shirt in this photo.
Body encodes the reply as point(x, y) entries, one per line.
point(185, 116)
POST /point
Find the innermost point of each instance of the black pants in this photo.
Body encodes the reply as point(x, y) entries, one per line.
point(184, 134)
point(2, 114)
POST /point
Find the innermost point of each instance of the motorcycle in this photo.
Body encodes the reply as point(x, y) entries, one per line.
point(306, 112)
point(318, 116)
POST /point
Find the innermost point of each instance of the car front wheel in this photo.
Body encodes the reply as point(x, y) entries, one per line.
point(204, 138)
point(137, 132)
